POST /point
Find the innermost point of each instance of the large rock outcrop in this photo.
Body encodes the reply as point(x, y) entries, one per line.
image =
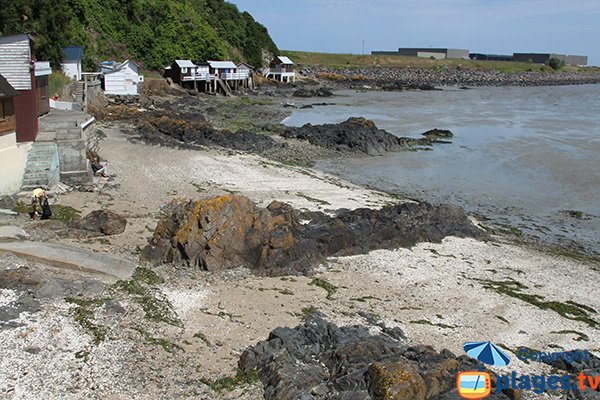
point(357, 135)
point(319, 360)
point(231, 231)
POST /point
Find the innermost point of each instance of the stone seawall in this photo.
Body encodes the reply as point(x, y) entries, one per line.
point(392, 78)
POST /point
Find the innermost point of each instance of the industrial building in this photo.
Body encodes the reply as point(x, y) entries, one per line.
point(444, 53)
point(426, 52)
point(542, 58)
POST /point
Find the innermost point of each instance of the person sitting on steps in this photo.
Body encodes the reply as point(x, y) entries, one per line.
point(99, 168)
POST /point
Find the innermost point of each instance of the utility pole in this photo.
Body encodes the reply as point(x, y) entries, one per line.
point(363, 47)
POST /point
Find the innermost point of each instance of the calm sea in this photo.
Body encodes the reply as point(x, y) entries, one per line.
point(520, 156)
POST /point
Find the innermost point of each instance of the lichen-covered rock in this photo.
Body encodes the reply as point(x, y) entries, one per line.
point(436, 134)
point(231, 231)
point(103, 221)
point(395, 381)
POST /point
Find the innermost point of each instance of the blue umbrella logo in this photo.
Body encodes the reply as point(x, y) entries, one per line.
point(487, 353)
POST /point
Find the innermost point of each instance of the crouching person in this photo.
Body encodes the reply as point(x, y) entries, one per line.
point(40, 205)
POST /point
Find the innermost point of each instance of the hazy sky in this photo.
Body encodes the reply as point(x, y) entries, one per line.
point(485, 26)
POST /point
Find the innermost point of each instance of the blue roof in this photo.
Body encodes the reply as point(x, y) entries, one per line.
point(72, 53)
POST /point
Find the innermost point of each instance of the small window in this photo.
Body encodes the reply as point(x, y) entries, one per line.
point(184, 70)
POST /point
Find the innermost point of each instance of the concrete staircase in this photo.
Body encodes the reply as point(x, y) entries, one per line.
point(59, 131)
point(42, 168)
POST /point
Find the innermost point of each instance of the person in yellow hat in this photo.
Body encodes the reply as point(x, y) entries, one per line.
point(39, 203)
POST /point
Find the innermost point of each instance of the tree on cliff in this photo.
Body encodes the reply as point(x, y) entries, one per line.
point(153, 32)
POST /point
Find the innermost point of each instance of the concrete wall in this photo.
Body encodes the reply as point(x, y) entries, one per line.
point(571, 60)
point(425, 54)
point(13, 158)
point(64, 105)
point(457, 53)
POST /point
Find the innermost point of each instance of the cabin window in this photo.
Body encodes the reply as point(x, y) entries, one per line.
point(184, 70)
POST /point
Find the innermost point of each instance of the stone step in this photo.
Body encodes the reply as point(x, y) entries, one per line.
point(36, 175)
point(39, 157)
point(30, 185)
point(108, 267)
point(37, 169)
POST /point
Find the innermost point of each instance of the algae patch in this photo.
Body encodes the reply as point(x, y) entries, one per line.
point(84, 315)
point(232, 382)
point(323, 284)
point(569, 309)
point(142, 288)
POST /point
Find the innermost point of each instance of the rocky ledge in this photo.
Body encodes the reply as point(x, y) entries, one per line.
point(319, 360)
point(231, 231)
point(360, 135)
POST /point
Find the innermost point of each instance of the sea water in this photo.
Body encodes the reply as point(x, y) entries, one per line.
point(522, 157)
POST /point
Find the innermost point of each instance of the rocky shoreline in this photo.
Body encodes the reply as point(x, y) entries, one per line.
point(385, 78)
point(258, 278)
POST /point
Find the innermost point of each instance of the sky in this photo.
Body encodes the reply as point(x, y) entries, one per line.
point(482, 26)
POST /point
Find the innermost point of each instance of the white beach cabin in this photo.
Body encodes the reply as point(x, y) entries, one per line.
point(121, 79)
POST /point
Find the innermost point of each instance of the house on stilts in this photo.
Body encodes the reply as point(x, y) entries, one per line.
point(281, 69)
point(210, 76)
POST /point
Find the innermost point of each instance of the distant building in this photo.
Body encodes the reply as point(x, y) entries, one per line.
point(542, 58)
point(181, 71)
point(220, 69)
point(427, 52)
point(245, 68)
point(72, 62)
point(281, 69)
point(490, 57)
point(120, 78)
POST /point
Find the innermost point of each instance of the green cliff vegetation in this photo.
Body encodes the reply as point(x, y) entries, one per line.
point(151, 32)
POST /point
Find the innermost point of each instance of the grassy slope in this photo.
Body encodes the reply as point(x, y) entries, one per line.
point(356, 61)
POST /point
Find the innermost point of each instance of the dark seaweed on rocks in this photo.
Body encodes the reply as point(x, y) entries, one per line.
point(193, 129)
point(360, 135)
point(319, 92)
